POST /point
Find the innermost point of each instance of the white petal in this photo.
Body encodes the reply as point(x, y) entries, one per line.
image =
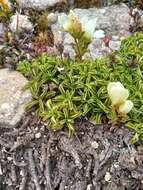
point(88, 26)
point(99, 34)
point(126, 107)
point(63, 21)
point(117, 93)
point(114, 84)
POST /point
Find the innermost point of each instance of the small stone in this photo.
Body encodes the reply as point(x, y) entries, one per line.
point(5, 107)
point(89, 186)
point(114, 45)
point(99, 34)
point(115, 37)
point(94, 145)
point(20, 23)
point(9, 158)
point(38, 135)
point(107, 177)
point(116, 165)
point(2, 30)
point(127, 161)
point(2, 47)
point(52, 18)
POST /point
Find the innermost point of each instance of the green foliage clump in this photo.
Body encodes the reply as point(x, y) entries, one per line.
point(64, 90)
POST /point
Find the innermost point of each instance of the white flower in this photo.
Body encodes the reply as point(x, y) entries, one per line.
point(70, 22)
point(126, 107)
point(117, 93)
point(99, 34)
point(88, 26)
point(63, 20)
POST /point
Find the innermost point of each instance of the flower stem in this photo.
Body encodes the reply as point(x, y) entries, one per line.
point(78, 51)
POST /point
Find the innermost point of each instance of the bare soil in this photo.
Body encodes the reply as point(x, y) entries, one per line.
point(34, 158)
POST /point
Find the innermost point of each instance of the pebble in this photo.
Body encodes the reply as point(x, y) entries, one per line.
point(94, 144)
point(107, 177)
point(38, 135)
point(89, 186)
point(2, 29)
point(114, 45)
point(20, 23)
point(52, 18)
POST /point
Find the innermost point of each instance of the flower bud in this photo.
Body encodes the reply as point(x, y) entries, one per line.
point(126, 107)
point(117, 93)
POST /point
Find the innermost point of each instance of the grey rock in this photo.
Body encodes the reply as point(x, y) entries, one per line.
point(98, 49)
point(114, 45)
point(52, 18)
point(39, 4)
point(2, 29)
point(20, 23)
point(127, 161)
point(12, 97)
point(113, 22)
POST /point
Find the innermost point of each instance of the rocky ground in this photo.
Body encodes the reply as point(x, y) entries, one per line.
point(94, 158)
point(31, 156)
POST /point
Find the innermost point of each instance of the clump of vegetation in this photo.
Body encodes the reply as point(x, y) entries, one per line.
point(43, 36)
point(64, 90)
point(5, 8)
point(82, 31)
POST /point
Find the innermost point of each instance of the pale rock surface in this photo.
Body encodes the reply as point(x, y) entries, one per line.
point(112, 22)
point(2, 30)
point(12, 97)
point(39, 4)
point(114, 45)
point(52, 18)
point(20, 23)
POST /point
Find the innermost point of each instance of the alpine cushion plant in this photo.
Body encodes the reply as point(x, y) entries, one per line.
point(96, 89)
point(82, 31)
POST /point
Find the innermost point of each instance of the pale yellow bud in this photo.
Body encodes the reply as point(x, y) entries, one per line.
point(75, 23)
point(117, 93)
point(126, 107)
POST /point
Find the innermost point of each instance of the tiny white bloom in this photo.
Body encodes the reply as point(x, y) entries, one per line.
point(126, 106)
point(69, 22)
point(88, 26)
point(99, 34)
point(117, 93)
point(63, 20)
